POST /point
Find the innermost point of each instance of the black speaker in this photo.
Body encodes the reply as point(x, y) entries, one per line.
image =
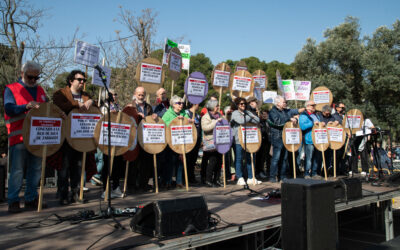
point(174, 217)
point(348, 189)
point(3, 176)
point(308, 215)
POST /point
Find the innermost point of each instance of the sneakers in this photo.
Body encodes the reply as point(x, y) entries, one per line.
point(317, 177)
point(86, 189)
point(14, 208)
point(250, 181)
point(363, 174)
point(241, 182)
point(262, 175)
point(307, 177)
point(116, 193)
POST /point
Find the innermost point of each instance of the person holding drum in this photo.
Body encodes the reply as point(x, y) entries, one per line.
point(241, 116)
point(208, 123)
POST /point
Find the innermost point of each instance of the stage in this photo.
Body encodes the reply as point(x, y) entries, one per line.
point(248, 214)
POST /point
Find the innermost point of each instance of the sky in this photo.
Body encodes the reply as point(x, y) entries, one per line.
point(269, 30)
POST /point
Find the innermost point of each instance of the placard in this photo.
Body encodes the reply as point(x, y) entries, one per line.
point(83, 125)
point(241, 68)
point(269, 96)
point(353, 121)
point(251, 134)
point(196, 87)
point(45, 131)
point(279, 81)
point(185, 53)
point(86, 54)
point(150, 73)
point(168, 45)
point(175, 63)
point(241, 83)
point(260, 81)
point(153, 133)
point(96, 80)
point(288, 89)
point(321, 136)
point(119, 134)
point(303, 89)
point(221, 78)
point(335, 134)
point(222, 134)
point(321, 96)
point(292, 135)
point(181, 134)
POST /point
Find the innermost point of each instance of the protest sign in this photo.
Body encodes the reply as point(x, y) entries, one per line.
point(260, 79)
point(288, 90)
point(86, 54)
point(251, 134)
point(269, 96)
point(221, 78)
point(150, 75)
point(119, 134)
point(174, 64)
point(353, 121)
point(321, 96)
point(45, 131)
point(168, 45)
point(241, 65)
point(292, 138)
point(196, 87)
point(336, 136)
point(320, 140)
point(185, 52)
point(303, 89)
point(279, 81)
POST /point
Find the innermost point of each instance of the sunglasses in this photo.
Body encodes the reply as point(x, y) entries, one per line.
point(81, 79)
point(33, 77)
point(179, 103)
point(242, 103)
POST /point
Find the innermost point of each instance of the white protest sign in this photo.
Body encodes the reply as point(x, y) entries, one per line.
point(221, 78)
point(303, 89)
point(353, 121)
point(241, 68)
point(86, 54)
point(153, 133)
point(260, 81)
point(96, 80)
point(241, 83)
point(45, 131)
point(196, 87)
point(292, 135)
point(150, 73)
point(119, 134)
point(181, 134)
point(321, 96)
point(288, 89)
point(251, 134)
point(321, 136)
point(176, 62)
point(83, 125)
point(185, 53)
point(257, 93)
point(269, 96)
point(223, 135)
point(335, 134)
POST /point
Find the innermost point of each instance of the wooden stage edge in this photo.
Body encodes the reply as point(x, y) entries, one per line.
point(249, 215)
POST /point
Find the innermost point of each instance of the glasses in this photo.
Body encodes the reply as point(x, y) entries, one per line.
point(179, 103)
point(312, 105)
point(81, 79)
point(342, 107)
point(33, 77)
point(242, 103)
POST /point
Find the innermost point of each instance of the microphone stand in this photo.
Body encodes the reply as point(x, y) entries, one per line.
point(110, 99)
point(246, 187)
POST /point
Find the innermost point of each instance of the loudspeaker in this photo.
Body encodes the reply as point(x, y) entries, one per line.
point(308, 215)
point(174, 217)
point(348, 189)
point(3, 176)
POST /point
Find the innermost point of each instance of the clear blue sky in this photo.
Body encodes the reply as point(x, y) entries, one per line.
point(269, 30)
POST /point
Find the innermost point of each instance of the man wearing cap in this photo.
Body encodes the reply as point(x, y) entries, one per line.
point(19, 98)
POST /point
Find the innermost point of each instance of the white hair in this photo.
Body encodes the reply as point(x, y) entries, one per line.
point(30, 65)
point(211, 104)
point(278, 98)
point(175, 99)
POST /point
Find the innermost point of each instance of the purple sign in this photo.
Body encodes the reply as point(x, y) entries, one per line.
point(196, 87)
point(223, 136)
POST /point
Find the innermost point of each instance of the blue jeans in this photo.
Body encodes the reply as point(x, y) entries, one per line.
point(20, 158)
point(310, 166)
point(239, 152)
point(279, 158)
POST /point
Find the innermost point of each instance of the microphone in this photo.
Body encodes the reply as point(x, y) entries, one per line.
point(102, 74)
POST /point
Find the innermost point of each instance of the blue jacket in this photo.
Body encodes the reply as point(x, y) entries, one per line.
point(276, 120)
point(306, 123)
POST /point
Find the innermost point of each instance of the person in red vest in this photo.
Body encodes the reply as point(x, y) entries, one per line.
point(19, 98)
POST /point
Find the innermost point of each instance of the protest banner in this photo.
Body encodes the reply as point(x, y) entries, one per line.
point(288, 90)
point(241, 65)
point(303, 89)
point(150, 75)
point(181, 138)
point(196, 87)
point(86, 54)
point(152, 134)
point(353, 121)
point(260, 84)
point(321, 96)
point(320, 139)
point(269, 96)
point(168, 45)
point(223, 138)
point(242, 84)
point(220, 78)
point(185, 52)
point(292, 138)
point(43, 132)
point(336, 141)
point(174, 66)
point(250, 140)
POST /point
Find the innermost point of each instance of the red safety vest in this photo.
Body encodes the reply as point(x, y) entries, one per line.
point(22, 97)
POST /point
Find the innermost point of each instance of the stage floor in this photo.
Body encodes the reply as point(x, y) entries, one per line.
point(251, 212)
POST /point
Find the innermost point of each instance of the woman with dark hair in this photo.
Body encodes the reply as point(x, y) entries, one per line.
point(242, 116)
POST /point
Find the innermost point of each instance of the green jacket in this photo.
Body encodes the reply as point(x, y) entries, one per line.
point(170, 115)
